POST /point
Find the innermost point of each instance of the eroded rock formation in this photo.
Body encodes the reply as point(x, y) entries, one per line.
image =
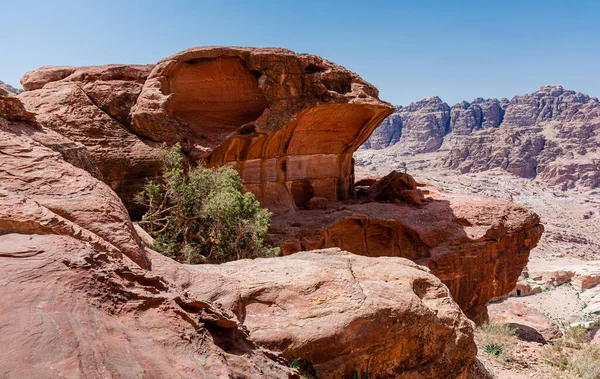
point(82, 303)
point(552, 134)
point(287, 122)
point(330, 308)
point(91, 105)
point(476, 246)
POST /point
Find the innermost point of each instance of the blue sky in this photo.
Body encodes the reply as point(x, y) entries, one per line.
point(408, 49)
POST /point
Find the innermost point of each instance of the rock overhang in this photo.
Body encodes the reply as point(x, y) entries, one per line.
point(287, 122)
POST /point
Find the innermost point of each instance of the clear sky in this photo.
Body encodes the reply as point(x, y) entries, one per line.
point(408, 49)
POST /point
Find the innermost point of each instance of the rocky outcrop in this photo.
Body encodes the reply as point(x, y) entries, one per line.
point(82, 303)
point(276, 116)
point(90, 106)
point(417, 128)
point(287, 122)
point(330, 307)
point(552, 134)
point(476, 246)
point(39, 181)
point(530, 324)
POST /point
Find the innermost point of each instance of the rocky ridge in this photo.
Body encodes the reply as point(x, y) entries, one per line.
point(10, 89)
point(552, 134)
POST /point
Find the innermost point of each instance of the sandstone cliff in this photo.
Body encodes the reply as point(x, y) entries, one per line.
point(552, 134)
point(289, 123)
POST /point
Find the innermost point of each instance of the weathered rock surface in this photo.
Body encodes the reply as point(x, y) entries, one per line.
point(287, 122)
point(90, 105)
point(552, 134)
point(79, 307)
point(396, 186)
point(346, 314)
point(39, 180)
point(476, 246)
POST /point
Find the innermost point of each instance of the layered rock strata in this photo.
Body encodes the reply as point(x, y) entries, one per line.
point(552, 134)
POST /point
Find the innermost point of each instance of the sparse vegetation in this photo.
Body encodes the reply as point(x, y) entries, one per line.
point(497, 340)
point(304, 367)
point(200, 215)
point(574, 353)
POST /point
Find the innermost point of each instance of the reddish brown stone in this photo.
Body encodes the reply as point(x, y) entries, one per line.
point(476, 246)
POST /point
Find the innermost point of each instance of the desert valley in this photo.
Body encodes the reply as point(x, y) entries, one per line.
point(380, 275)
point(302, 190)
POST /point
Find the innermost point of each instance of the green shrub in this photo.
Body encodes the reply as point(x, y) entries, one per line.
point(200, 215)
point(497, 340)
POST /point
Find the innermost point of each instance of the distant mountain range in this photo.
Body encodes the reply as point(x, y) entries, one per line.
point(9, 88)
point(552, 134)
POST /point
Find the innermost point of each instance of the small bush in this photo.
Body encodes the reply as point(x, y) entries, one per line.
point(304, 367)
point(200, 215)
point(586, 362)
point(576, 336)
point(497, 340)
point(574, 353)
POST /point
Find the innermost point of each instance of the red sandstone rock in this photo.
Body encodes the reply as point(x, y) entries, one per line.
point(343, 312)
point(392, 187)
point(476, 246)
point(287, 122)
point(91, 106)
point(78, 306)
point(34, 172)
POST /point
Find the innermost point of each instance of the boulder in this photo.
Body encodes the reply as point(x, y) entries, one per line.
point(396, 186)
point(530, 324)
point(316, 203)
point(346, 314)
point(476, 246)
